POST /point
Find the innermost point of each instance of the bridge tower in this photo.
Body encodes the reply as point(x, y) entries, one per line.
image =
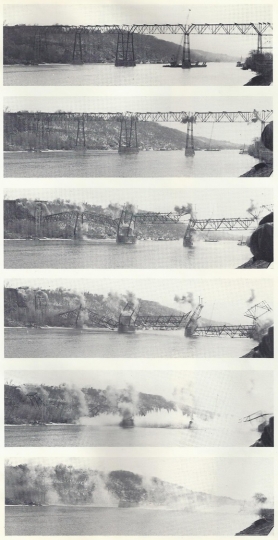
point(125, 56)
point(125, 229)
point(186, 56)
point(128, 143)
point(38, 219)
point(127, 320)
point(192, 322)
point(40, 45)
point(187, 239)
point(37, 48)
point(80, 142)
point(77, 53)
point(189, 145)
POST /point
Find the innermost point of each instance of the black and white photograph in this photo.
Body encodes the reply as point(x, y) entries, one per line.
point(137, 136)
point(139, 408)
point(138, 197)
point(139, 496)
point(138, 228)
point(102, 45)
point(163, 317)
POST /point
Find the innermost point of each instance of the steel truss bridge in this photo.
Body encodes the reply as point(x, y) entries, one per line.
point(224, 224)
point(239, 331)
point(254, 416)
point(41, 125)
point(210, 224)
point(125, 51)
point(165, 322)
point(79, 218)
point(130, 220)
point(75, 318)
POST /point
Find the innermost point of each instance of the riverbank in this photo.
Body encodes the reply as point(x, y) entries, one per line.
point(260, 527)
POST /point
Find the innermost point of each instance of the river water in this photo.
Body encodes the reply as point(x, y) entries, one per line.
point(76, 343)
point(108, 254)
point(87, 521)
point(215, 74)
point(105, 435)
point(102, 163)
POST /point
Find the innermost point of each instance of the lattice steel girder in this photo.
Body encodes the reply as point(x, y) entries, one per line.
point(102, 321)
point(61, 216)
point(103, 219)
point(179, 116)
point(65, 314)
point(159, 217)
point(241, 330)
point(221, 224)
point(158, 321)
point(252, 312)
point(264, 28)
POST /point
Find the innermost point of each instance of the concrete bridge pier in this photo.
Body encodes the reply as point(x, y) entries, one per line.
point(189, 145)
point(187, 241)
point(126, 321)
point(186, 56)
point(128, 143)
point(125, 56)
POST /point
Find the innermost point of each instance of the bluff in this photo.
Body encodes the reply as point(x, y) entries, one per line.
point(39, 404)
point(27, 306)
point(57, 47)
point(62, 484)
point(100, 135)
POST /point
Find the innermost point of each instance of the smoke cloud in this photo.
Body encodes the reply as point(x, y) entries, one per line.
point(253, 209)
point(188, 209)
point(185, 299)
point(251, 297)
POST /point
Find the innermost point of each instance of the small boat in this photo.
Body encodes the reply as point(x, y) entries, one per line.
point(243, 150)
point(210, 239)
point(242, 242)
point(239, 63)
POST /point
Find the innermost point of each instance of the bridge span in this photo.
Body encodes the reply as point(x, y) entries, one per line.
point(125, 49)
point(125, 224)
point(40, 126)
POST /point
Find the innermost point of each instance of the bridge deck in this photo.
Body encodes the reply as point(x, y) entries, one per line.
point(264, 28)
point(241, 330)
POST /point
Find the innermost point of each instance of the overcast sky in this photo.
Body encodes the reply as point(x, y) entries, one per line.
point(212, 390)
point(152, 14)
point(206, 203)
point(234, 132)
point(224, 300)
point(239, 478)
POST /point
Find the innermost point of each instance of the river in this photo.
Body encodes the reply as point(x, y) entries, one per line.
point(76, 343)
point(147, 164)
point(215, 74)
point(106, 435)
point(108, 254)
point(88, 521)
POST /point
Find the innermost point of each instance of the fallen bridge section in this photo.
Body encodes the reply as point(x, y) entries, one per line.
point(164, 322)
point(239, 331)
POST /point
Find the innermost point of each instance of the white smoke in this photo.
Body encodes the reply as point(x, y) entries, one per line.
point(101, 495)
point(188, 298)
point(253, 209)
point(251, 297)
